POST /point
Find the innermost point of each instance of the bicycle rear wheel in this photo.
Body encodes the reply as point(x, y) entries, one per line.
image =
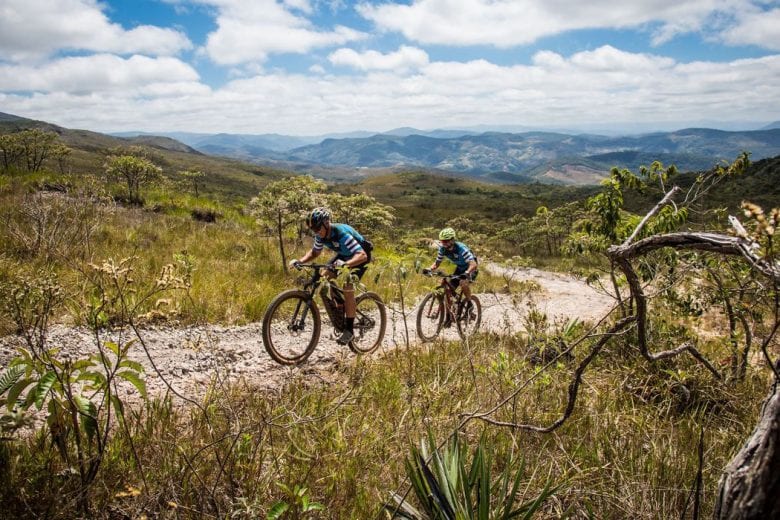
point(291, 327)
point(370, 323)
point(469, 317)
point(430, 316)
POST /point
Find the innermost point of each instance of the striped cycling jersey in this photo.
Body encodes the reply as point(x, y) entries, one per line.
point(460, 255)
point(343, 239)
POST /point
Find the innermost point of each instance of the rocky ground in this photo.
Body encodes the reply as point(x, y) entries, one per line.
point(187, 359)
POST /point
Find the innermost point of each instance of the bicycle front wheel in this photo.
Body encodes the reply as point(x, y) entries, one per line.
point(469, 317)
point(430, 316)
point(291, 327)
point(370, 323)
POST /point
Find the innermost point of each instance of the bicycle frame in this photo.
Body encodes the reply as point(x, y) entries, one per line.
point(336, 317)
point(453, 296)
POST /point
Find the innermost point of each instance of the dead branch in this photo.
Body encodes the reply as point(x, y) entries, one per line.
point(712, 242)
point(749, 488)
point(651, 214)
point(620, 327)
point(640, 301)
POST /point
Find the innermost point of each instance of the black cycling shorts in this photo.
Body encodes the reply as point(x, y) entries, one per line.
point(454, 283)
point(356, 272)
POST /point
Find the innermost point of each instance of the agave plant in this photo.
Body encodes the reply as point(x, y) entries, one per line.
point(447, 489)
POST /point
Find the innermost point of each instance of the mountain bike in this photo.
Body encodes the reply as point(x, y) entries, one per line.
point(435, 314)
point(292, 322)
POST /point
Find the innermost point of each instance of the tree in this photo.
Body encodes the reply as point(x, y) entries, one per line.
point(284, 203)
point(36, 145)
point(749, 487)
point(193, 177)
point(135, 171)
point(29, 149)
point(11, 150)
point(60, 153)
point(361, 211)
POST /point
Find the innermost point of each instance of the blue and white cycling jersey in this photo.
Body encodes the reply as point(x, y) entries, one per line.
point(343, 240)
point(460, 255)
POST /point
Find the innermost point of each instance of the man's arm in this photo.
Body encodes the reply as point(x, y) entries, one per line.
point(439, 257)
point(310, 255)
point(358, 258)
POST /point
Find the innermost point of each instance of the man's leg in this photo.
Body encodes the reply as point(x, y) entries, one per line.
point(465, 287)
point(350, 306)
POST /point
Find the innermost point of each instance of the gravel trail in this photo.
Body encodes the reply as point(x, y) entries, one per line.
point(189, 358)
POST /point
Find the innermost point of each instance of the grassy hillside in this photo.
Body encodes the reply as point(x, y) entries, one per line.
point(425, 199)
point(225, 178)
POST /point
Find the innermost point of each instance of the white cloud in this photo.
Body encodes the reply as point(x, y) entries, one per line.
point(756, 28)
point(250, 31)
point(34, 29)
point(603, 86)
point(508, 23)
point(610, 59)
point(404, 59)
point(104, 72)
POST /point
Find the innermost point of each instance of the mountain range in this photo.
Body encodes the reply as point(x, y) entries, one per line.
point(492, 156)
point(499, 157)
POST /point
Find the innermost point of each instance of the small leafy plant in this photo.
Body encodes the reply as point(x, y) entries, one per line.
point(297, 503)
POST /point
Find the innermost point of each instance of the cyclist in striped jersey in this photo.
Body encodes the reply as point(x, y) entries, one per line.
point(348, 244)
point(466, 265)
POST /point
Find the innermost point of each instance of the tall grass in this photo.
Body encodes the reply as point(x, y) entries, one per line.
point(618, 456)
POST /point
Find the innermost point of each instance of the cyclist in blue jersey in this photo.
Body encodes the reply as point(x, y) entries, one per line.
point(347, 243)
point(466, 265)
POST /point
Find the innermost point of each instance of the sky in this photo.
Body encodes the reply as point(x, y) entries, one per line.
point(313, 67)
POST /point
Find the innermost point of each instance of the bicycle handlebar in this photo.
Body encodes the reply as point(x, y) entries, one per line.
point(315, 266)
point(442, 274)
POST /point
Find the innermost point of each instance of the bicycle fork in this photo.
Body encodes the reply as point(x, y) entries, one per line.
point(298, 324)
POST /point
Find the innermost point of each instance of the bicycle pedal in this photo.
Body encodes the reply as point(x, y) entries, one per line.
point(345, 338)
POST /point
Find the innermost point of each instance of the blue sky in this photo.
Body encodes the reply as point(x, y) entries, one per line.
point(311, 67)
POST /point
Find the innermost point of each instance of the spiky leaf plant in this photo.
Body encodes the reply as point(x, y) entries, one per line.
point(447, 488)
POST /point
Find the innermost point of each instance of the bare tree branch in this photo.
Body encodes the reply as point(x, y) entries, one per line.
point(650, 215)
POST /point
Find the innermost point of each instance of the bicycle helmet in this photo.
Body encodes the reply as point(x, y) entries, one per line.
point(447, 234)
point(317, 218)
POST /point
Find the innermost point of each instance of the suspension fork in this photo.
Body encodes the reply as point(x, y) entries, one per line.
point(301, 312)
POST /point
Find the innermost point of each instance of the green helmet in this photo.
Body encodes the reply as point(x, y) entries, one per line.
point(447, 234)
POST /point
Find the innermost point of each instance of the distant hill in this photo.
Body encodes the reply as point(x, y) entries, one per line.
point(771, 126)
point(255, 145)
point(494, 157)
point(542, 156)
point(547, 157)
point(10, 117)
point(225, 176)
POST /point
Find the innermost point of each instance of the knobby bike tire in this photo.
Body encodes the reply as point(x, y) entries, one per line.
point(468, 323)
point(285, 346)
point(368, 333)
point(430, 314)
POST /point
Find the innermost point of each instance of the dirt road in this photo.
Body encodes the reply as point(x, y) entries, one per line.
point(189, 357)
